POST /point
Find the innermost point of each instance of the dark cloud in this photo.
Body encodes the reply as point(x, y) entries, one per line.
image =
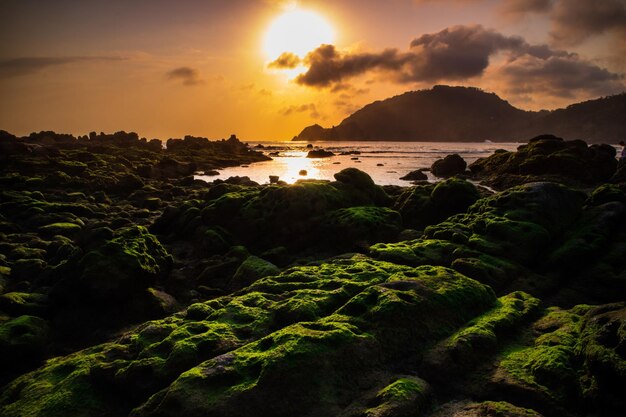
point(29, 65)
point(303, 108)
point(285, 60)
point(573, 21)
point(559, 77)
point(327, 66)
point(461, 53)
point(189, 76)
point(455, 53)
point(525, 6)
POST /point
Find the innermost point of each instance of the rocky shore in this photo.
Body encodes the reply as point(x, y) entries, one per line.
point(129, 288)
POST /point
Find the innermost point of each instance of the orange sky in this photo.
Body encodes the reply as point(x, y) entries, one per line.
point(169, 68)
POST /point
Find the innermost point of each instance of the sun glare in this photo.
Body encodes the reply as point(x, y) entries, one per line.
point(297, 31)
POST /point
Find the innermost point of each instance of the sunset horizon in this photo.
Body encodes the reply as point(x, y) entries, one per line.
point(265, 70)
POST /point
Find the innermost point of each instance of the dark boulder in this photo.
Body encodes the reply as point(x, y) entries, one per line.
point(319, 153)
point(417, 175)
point(449, 166)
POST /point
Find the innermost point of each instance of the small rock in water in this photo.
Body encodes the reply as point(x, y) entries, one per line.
point(274, 153)
point(414, 176)
point(380, 165)
point(245, 166)
point(319, 153)
point(354, 159)
point(211, 173)
point(303, 172)
point(309, 146)
point(274, 179)
point(336, 163)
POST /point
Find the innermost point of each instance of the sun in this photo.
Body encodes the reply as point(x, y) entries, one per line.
point(297, 31)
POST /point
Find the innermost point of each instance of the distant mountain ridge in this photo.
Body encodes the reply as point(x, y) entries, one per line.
point(468, 114)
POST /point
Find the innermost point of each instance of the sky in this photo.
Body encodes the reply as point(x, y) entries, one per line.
point(214, 68)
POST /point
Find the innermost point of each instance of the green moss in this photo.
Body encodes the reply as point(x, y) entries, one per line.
point(493, 409)
point(63, 229)
point(550, 365)
point(18, 303)
point(481, 336)
point(363, 224)
point(416, 252)
point(252, 269)
point(127, 263)
point(402, 389)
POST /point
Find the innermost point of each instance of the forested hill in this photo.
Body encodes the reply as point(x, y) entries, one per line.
point(446, 113)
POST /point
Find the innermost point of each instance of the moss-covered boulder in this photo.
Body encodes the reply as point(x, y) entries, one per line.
point(362, 225)
point(424, 205)
point(23, 344)
point(124, 265)
point(576, 362)
point(252, 269)
point(315, 339)
point(548, 158)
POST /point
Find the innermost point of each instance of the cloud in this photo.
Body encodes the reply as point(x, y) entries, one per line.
point(455, 53)
point(462, 53)
point(573, 21)
point(525, 6)
point(28, 65)
point(286, 60)
point(327, 66)
point(303, 108)
point(563, 77)
point(189, 76)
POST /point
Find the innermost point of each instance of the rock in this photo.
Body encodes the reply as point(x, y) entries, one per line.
point(245, 180)
point(449, 166)
point(348, 226)
point(124, 265)
point(303, 172)
point(24, 342)
point(417, 175)
point(63, 229)
point(570, 343)
point(431, 203)
point(319, 153)
point(274, 179)
point(252, 269)
point(547, 157)
point(20, 303)
point(211, 173)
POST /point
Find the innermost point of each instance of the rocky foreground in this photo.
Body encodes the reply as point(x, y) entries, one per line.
point(128, 288)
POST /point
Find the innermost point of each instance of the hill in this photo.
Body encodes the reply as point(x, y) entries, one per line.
point(446, 113)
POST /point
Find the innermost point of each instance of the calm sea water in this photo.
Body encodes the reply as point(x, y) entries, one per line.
point(385, 162)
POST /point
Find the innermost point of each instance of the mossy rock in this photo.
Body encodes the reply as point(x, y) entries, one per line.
point(251, 270)
point(27, 269)
point(130, 262)
point(311, 338)
point(23, 344)
point(416, 252)
point(574, 360)
point(63, 229)
point(407, 396)
point(484, 409)
point(480, 337)
point(362, 224)
point(21, 303)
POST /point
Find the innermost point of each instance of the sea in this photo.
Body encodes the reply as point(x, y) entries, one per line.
point(384, 161)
